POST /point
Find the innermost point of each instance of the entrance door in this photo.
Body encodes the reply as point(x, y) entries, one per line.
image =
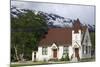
point(34, 56)
point(77, 53)
point(55, 53)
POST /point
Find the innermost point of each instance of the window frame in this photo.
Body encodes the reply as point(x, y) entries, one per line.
point(65, 50)
point(89, 49)
point(44, 51)
point(86, 49)
point(83, 49)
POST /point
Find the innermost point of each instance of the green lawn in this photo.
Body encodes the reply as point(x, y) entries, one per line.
point(37, 63)
point(28, 64)
point(87, 60)
point(45, 63)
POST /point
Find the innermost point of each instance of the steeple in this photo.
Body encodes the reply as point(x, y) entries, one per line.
point(76, 25)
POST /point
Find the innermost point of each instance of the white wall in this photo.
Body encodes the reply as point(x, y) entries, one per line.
point(87, 35)
point(50, 52)
point(70, 51)
point(33, 56)
point(40, 57)
point(77, 37)
point(49, 55)
point(86, 55)
point(89, 44)
point(60, 52)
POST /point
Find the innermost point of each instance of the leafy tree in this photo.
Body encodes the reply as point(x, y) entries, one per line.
point(92, 36)
point(26, 31)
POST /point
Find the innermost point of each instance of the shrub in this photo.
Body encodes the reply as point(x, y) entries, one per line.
point(65, 57)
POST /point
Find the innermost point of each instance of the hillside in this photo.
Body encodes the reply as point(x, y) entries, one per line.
point(52, 20)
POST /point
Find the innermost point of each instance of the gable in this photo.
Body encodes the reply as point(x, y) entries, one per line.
point(54, 46)
point(86, 37)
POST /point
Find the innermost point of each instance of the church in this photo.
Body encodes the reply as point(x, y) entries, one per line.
point(73, 42)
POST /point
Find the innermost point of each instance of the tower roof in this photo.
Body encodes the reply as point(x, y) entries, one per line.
point(76, 25)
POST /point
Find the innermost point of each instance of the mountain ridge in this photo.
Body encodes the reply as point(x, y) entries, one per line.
point(53, 20)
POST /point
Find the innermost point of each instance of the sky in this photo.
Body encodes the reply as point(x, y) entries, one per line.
point(86, 14)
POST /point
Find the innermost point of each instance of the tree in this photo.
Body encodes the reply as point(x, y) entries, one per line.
point(92, 36)
point(26, 31)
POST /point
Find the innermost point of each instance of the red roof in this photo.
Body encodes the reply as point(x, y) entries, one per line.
point(60, 36)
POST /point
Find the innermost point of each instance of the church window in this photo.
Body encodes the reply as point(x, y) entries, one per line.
point(44, 51)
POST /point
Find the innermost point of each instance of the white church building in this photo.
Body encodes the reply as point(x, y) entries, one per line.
point(74, 41)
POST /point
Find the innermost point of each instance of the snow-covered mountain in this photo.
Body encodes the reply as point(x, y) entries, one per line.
point(53, 20)
point(56, 20)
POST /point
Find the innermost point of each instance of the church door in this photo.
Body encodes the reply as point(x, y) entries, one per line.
point(77, 53)
point(54, 53)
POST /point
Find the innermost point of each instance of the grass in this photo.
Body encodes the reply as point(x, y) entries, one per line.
point(28, 64)
point(18, 65)
point(87, 60)
point(46, 63)
point(36, 63)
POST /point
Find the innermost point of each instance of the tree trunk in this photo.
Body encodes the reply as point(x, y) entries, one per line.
point(16, 53)
point(21, 55)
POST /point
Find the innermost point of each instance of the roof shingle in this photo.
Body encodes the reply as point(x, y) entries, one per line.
point(60, 36)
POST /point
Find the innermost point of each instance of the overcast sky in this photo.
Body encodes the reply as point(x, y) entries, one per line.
point(86, 14)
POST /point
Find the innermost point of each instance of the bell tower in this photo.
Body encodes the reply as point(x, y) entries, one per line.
point(76, 38)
